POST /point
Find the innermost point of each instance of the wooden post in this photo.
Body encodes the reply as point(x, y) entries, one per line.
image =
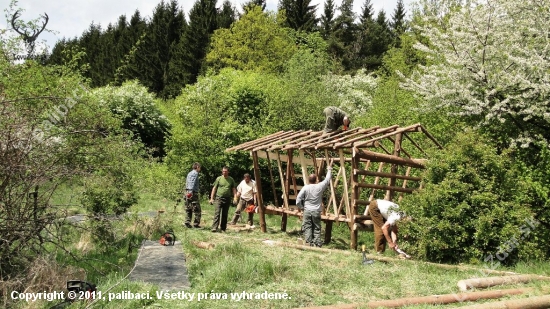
point(376, 180)
point(276, 200)
point(394, 167)
point(328, 231)
point(284, 216)
point(259, 191)
point(332, 194)
point(354, 197)
point(407, 174)
point(304, 167)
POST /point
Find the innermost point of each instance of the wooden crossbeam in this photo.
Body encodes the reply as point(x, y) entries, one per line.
point(384, 187)
point(248, 145)
point(267, 145)
point(292, 138)
point(349, 143)
point(380, 157)
point(387, 175)
point(430, 136)
point(413, 128)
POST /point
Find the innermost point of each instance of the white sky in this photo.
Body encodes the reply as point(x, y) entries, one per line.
point(70, 18)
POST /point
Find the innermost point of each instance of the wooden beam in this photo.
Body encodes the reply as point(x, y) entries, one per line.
point(412, 128)
point(329, 140)
point(259, 140)
point(276, 141)
point(394, 167)
point(486, 282)
point(332, 184)
point(304, 166)
point(431, 137)
point(381, 174)
point(415, 144)
point(405, 181)
point(285, 192)
point(276, 200)
point(293, 137)
point(383, 187)
point(376, 180)
point(362, 202)
point(350, 143)
point(259, 196)
point(324, 137)
point(380, 157)
point(298, 213)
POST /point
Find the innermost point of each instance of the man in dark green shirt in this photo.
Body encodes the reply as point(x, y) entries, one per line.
point(223, 190)
point(334, 118)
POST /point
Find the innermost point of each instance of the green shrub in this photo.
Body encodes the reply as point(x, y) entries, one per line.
point(471, 208)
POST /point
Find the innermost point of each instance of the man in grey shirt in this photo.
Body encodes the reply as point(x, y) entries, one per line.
point(192, 205)
point(309, 200)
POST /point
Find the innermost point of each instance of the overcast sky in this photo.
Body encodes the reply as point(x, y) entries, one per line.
point(72, 17)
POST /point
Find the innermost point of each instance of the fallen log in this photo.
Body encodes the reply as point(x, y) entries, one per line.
point(486, 282)
point(387, 259)
point(432, 300)
point(445, 298)
point(203, 245)
point(536, 302)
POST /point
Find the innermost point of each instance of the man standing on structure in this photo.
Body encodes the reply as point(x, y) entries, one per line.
point(192, 205)
point(246, 195)
point(334, 118)
point(309, 200)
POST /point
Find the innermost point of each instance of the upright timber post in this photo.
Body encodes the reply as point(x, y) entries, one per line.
point(354, 197)
point(259, 190)
point(394, 167)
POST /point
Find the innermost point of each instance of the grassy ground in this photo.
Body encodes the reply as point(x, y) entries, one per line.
point(242, 262)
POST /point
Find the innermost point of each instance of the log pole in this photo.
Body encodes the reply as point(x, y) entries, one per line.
point(538, 302)
point(486, 282)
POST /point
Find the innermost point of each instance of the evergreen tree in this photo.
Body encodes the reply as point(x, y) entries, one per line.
point(91, 41)
point(227, 14)
point(367, 13)
point(150, 61)
point(327, 19)
point(300, 14)
point(378, 39)
point(397, 24)
point(203, 20)
point(345, 36)
point(249, 4)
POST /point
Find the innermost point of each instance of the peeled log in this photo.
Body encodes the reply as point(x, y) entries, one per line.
point(445, 298)
point(464, 285)
point(203, 245)
point(537, 302)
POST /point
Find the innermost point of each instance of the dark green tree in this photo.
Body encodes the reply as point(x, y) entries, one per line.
point(367, 12)
point(398, 23)
point(327, 19)
point(377, 39)
point(203, 20)
point(150, 61)
point(249, 4)
point(227, 14)
point(300, 14)
point(345, 36)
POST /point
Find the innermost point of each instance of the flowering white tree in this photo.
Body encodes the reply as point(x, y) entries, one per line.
point(353, 93)
point(489, 60)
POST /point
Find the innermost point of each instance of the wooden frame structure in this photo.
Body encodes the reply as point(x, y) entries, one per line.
point(361, 173)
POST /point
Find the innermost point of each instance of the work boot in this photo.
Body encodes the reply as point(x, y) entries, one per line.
point(188, 225)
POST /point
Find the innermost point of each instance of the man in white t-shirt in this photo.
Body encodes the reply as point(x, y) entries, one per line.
point(385, 215)
point(246, 196)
